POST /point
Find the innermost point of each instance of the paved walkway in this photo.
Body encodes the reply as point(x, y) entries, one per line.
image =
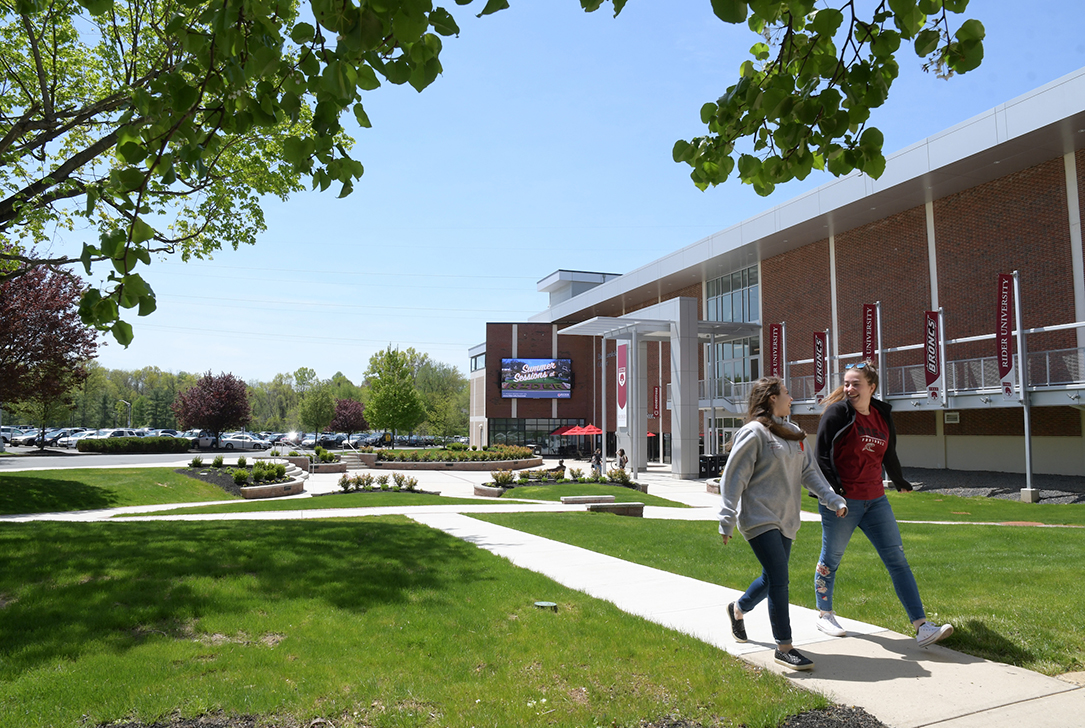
point(883, 672)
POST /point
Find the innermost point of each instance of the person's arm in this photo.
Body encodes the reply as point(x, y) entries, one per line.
point(736, 476)
point(890, 461)
point(831, 421)
point(814, 481)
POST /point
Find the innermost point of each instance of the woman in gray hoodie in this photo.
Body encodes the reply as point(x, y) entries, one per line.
point(761, 490)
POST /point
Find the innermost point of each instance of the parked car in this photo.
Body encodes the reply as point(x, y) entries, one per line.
point(328, 440)
point(72, 440)
point(113, 432)
point(243, 441)
point(53, 437)
point(9, 432)
point(30, 437)
point(202, 438)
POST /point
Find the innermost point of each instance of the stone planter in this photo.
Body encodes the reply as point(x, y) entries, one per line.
point(327, 467)
point(485, 466)
point(489, 491)
point(368, 459)
point(272, 490)
point(713, 486)
point(298, 461)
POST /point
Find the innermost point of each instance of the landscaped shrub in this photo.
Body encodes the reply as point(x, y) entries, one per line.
point(498, 452)
point(576, 473)
point(197, 462)
point(617, 475)
point(382, 481)
point(293, 454)
point(502, 477)
point(242, 462)
point(280, 470)
point(217, 462)
point(346, 483)
point(113, 445)
point(457, 446)
point(241, 476)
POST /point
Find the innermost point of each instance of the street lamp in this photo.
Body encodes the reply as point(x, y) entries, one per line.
point(129, 405)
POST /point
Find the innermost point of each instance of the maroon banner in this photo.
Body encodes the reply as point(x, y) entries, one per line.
point(870, 330)
point(776, 350)
point(623, 384)
point(933, 363)
point(1004, 333)
point(655, 402)
point(820, 378)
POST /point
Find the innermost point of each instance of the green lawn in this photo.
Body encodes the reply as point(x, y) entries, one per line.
point(48, 491)
point(557, 491)
point(936, 507)
point(1014, 594)
point(373, 622)
point(338, 500)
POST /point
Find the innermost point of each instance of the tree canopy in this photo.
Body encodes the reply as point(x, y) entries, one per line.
point(213, 404)
point(394, 402)
point(317, 408)
point(159, 125)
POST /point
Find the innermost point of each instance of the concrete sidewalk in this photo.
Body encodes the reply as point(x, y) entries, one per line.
point(883, 672)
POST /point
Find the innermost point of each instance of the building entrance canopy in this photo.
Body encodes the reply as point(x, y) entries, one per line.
point(625, 327)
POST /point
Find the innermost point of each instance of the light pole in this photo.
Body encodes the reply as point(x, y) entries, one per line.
point(129, 406)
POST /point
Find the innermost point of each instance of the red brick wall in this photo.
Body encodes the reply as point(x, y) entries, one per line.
point(795, 289)
point(1046, 422)
point(1018, 222)
point(884, 261)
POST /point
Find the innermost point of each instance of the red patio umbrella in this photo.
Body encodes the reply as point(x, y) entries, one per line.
point(563, 430)
point(578, 430)
point(590, 430)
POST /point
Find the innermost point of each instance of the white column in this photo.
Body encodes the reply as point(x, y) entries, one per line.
point(1077, 265)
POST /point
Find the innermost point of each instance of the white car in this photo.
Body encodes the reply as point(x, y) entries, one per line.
point(111, 432)
point(73, 439)
point(244, 442)
point(9, 432)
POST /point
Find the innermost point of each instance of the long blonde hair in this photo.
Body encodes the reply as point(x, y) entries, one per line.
point(869, 372)
point(760, 409)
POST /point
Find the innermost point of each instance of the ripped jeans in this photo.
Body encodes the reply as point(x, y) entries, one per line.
point(874, 518)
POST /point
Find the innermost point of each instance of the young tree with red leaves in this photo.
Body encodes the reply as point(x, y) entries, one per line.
point(214, 404)
point(349, 417)
point(44, 347)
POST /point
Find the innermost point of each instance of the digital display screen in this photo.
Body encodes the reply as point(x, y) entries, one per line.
point(537, 378)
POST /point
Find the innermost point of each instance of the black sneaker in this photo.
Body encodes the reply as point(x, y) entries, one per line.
point(794, 659)
point(738, 628)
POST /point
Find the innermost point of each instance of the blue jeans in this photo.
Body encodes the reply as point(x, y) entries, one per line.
point(773, 550)
point(874, 518)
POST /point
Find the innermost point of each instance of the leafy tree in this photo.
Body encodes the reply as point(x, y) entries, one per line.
point(803, 101)
point(444, 389)
point(162, 125)
point(393, 402)
point(349, 417)
point(214, 404)
point(44, 348)
point(317, 408)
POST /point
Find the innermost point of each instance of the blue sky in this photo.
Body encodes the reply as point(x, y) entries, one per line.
point(545, 144)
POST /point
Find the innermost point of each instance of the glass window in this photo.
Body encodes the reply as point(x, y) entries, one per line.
point(736, 280)
point(753, 275)
point(755, 305)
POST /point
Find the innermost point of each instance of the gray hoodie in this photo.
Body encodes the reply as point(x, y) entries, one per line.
point(760, 487)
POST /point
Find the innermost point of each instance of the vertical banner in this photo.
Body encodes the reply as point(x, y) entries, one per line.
point(655, 402)
point(820, 379)
point(776, 349)
point(623, 385)
point(1004, 335)
point(870, 331)
point(933, 361)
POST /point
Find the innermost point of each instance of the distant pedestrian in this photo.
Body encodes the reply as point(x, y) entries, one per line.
point(856, 440)
point(622, 459)
point(761, 491)
point(597, 461)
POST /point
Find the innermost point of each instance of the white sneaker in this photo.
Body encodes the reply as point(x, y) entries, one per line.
point(827, 623)
point(929, 633)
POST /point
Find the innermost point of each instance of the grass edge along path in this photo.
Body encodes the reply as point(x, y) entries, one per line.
point(938, 507)
point(84, 489)
point(364, 622)
point(1014, 594)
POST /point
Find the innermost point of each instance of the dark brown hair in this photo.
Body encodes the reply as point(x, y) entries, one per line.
point(869, 372)
point(760, 409)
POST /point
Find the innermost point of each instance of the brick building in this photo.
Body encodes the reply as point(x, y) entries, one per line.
point(998, 194)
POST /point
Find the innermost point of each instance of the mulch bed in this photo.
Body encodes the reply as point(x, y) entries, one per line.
point(221, 477)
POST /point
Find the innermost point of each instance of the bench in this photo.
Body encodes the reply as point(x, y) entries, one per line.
point(575, 499)
point(619, 509)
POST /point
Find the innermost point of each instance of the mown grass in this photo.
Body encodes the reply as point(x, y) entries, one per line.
point(1014, 593)
point(82, 489)
point(937, 507)
point(557, 491)
point(375, 622)
point(337, 500)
